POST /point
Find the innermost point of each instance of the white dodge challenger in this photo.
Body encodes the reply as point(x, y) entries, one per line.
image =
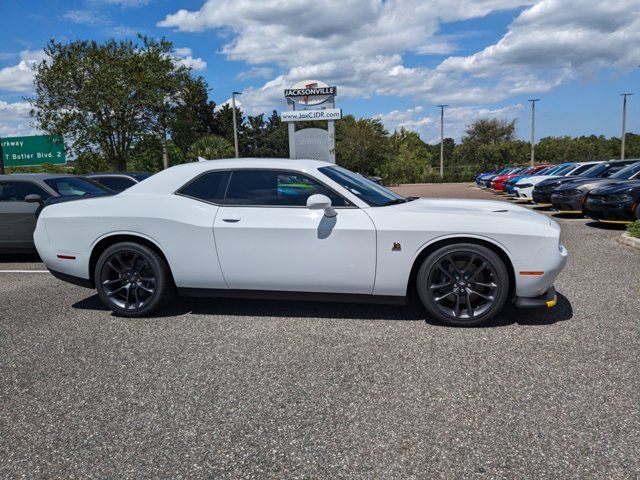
point(301, 229)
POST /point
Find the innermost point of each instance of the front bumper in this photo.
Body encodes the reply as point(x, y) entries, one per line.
point(534, 280)
point(542, 197)
point(548, 299)
point(603, 211)
point(567, 203)
point(524, 193)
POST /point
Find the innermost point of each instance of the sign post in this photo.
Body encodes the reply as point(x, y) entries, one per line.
point(32, 151)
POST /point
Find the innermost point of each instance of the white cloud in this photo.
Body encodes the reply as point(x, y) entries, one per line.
point(255, 72)
point(183, 51)
point(85, 17)
point(15, 120)
point(19, 78)
point(456, 119)
point(360, 45)
point(121, 3)
point(556, 40)
point(183, 56)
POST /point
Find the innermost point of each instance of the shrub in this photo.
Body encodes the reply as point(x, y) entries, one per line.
point(634, 229)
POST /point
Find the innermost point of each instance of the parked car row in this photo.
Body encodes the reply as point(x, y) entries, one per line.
point(23, 195)
point(606, 191)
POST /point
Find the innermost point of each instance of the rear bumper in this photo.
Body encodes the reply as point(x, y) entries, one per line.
point(547, 300)
point(80, 282)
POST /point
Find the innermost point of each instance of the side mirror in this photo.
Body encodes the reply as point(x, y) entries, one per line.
point(321, 202)
point(33, 198)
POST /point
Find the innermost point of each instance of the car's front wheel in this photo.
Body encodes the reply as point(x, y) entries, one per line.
point(133, 280)
point(463, 284)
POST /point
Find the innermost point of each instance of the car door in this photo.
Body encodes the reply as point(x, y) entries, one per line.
point(17, 217)
point(267, 239)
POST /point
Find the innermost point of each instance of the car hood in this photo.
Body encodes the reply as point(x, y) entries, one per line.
point(536, 178)
point(622, 186)
point(579, 182)
point(490, 209)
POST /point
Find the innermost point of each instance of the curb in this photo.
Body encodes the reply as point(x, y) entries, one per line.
point(630, 241)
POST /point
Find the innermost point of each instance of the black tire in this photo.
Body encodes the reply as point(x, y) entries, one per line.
point(472, 274)
point(132, 280)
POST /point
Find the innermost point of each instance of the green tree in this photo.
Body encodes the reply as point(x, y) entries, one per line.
point(362, 145)
point(490, 130)
point(107, 96)
point(409, 160)
point(194, 115)
point(147, 155)
point(91, 162)
point(211, 147)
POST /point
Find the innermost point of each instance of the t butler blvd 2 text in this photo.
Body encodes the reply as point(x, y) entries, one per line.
point(33, 150)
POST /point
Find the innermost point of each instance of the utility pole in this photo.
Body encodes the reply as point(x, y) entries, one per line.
point(1, 159)
point(442, 107)
point(235, 125)
point(624, 124)
point(533, 130)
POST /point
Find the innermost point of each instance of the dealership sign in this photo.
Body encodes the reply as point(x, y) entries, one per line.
point(306, 115)
point(310, 92)
point(33, 150)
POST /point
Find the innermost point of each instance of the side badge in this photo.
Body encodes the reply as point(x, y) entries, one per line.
point(396, 247)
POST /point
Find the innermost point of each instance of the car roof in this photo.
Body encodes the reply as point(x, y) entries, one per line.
point(169, 180)
point(33, 176)
point(111, 174)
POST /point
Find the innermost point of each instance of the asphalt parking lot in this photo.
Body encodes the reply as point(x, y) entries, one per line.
point(262, 389)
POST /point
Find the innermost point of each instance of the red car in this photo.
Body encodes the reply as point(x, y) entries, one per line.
point(498, 183)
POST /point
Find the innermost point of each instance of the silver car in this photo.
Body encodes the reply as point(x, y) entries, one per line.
point(17, 216)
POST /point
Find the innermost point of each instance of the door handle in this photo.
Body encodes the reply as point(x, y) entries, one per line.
point(233, 219)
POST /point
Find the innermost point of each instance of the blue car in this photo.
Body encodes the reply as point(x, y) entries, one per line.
point(484, 180)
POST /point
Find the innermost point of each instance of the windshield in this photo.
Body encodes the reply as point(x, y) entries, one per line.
point(75, 187)
point(627, 172)
point(363, 188)
point(580, 169)
point(605, 169)
point(560, 169)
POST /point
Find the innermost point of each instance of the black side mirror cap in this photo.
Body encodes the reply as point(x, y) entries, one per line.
point(33, 198)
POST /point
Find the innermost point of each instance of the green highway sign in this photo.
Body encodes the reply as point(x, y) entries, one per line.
point(33, 150)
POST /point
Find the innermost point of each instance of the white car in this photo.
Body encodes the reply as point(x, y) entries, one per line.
point(302, 229)
point(524, 187)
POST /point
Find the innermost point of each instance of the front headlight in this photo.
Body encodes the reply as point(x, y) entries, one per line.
point(620, 198)
point(524, 185)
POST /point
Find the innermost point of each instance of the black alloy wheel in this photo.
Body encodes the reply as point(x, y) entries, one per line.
point(132, 280)
point(463, 284)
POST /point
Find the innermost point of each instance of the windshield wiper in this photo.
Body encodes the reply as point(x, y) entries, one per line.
point(394, 202)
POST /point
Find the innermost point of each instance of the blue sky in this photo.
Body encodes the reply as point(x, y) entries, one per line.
point(395, 59)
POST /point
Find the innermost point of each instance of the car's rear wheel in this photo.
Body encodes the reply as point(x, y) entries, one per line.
point(133, 280)
point(463, 284)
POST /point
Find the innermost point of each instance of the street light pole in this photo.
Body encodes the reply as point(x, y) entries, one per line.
point(624, 124)
point(235, 124)
point(1, 159)
point(442, 107)
point(533, 129)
